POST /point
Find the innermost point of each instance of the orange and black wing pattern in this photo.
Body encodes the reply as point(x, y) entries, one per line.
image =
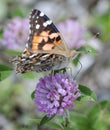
point(43, 35)
point(44, 48)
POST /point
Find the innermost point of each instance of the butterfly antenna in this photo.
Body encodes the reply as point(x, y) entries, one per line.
point(98, 34)
point(95, 36)
point(78, 70)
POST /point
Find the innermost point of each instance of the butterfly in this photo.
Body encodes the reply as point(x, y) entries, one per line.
point(45, 49)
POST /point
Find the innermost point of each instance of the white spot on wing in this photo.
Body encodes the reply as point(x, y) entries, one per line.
point(37, 26)
point(32, 55)
point(27, 45)
point(45, 24)
point(49, 22)
point(22, 59)
point(33, 16)
point(29, 26)
point(23, 55)
point(30, 16)
point(41, 14)
point(30, 31)
point(37, 63)
point(28, 38)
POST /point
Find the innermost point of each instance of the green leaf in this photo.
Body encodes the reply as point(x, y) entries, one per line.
point(29, 75)
point(89, 49)
point(105, 105)
point(54, 125)
point(76, 60)
point(50, 124)
point(60, 70)
point(105, 110)
point(33, 95)
point(45, 119)
point(18, 12)
point(5, 71)
point(13, 52)
point(35, 120)
point(94, 114)
point(68, 128)
point(1, 33)
point(87, 92)
point(84, 98)
point(101, 125)
point(79, 121)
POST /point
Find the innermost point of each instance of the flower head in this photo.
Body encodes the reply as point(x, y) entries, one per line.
point(55, 93)
point(72, 32)
point(15, 33)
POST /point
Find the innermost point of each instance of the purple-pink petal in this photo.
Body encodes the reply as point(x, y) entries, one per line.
point(15, 33)
point(72, 32)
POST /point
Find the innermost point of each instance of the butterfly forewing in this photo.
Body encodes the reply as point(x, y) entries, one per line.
point(44, 36)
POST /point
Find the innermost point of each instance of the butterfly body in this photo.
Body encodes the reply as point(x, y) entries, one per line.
point(45, 49)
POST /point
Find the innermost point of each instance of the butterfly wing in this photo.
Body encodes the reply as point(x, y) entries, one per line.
point(44, 36)
point(44, 50)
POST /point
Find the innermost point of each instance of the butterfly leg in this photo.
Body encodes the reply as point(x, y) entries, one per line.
point(52, 72)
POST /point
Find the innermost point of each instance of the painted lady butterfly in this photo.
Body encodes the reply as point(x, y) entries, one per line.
point(45, 49)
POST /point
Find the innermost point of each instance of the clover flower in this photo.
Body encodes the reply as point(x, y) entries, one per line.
point(15, 33)
point(72, 32)
point(55, 93)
